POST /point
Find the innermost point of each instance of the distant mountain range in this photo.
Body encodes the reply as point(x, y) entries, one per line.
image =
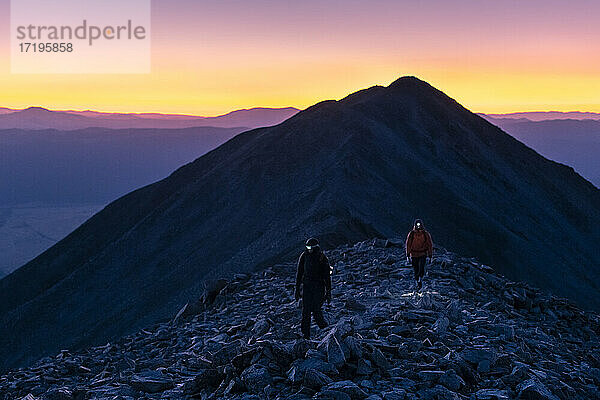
point(575, 142)
point(50, 178)
point(546, 115)
point(51, 181)
point(95, 165)
point(41, 118)
point(343, 170)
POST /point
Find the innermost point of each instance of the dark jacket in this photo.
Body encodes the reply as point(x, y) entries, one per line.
point(419, 243)
point(313, 270)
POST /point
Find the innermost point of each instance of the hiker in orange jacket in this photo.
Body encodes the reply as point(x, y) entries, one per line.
point(419, 246)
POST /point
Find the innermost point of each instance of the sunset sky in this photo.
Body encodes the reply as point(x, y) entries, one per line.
point(210, 57)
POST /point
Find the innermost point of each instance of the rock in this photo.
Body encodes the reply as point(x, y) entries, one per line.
point(315, 380)
point(335, 355)
point(299, 348)
point(333, 395)
point(381, 243)
point(476, 355)
point(401, 330)
point(299, 368)
point(354, 305)
point(348, 387)
point(58, 394)
point(519, 373)
point(504, 331)
point(205, 378)
point(532, 389)
point(151, 382)
point(484, 366)
point(491, 394)
point(226, 353)
point(367, 384)
point(364, 367)
point(282, 354)
point(243, 360)
point(430, 376)
point(393, 243)
point(235, 386)
point(441, 325)
point(395, 394)
point(380, 360)
point(256, 378)
point(438, 392)
point(261, 327)
point(451, 380)
point(354, 349)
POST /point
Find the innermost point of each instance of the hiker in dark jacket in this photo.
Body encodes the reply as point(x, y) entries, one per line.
point(419, 246)
point(314, 277)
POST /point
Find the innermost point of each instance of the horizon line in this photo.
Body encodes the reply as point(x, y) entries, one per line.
point(75, 110)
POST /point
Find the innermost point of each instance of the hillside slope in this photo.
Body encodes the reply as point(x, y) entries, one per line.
point(343, 170)
point(468, 334)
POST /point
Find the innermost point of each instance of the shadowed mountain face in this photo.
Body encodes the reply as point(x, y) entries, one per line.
point(341, 170)
point(569, 141)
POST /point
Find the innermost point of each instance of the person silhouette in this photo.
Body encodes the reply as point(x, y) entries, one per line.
point(313, 284)
point(419, 246)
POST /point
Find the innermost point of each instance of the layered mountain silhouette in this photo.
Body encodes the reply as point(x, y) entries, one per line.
point(546, 115)
point(42, 118)
point(343, 170)
point(95, 165)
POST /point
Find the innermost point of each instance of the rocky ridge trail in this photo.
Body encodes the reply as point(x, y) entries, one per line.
point(468, 334)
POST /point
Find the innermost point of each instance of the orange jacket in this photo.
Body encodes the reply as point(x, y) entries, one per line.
point(419, 243)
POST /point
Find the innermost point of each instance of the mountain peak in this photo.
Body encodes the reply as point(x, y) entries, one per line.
point(411, 82)
point(36, 109)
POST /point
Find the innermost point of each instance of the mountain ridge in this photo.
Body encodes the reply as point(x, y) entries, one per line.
point(342, 170)
point(469, 333)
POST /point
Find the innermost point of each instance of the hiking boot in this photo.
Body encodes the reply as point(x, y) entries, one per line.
point(419, 284)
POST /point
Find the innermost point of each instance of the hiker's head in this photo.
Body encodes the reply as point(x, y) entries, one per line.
point(312, 245)
point(418, 224)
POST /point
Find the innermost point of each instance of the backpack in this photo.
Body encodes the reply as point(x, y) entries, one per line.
point(313, 266)
point(419, 241)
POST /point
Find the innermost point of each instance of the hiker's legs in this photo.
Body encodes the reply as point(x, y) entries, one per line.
point(320, 319)
point(418, 264)
point(305, 324)
point(422, 262)
point(415, 265)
